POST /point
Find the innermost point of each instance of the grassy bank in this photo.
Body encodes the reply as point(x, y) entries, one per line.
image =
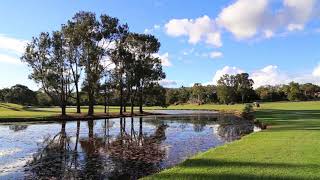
point(14, 111)
point(289, 149)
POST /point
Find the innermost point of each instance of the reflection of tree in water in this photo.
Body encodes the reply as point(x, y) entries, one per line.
point(131, 154)
point(52, 160)
point(17, 128)
point(137, 154)
point(230, 131)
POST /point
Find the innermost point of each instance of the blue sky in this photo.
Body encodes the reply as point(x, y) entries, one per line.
point(276, 41)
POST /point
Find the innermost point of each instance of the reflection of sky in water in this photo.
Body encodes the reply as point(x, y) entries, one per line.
point(183, 138)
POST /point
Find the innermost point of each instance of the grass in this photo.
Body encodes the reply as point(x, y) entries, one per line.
point(9, 110)
point(289, 149)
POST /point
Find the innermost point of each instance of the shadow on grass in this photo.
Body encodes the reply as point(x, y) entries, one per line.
point(290, 119)
point(10, 107)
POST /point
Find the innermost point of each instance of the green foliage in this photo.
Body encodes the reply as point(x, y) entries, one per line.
point(227, 89)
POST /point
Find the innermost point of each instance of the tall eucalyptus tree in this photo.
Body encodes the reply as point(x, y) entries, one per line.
point(45, 55)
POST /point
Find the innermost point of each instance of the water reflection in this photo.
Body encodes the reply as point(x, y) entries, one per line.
point(16, 128)
point(125, 148)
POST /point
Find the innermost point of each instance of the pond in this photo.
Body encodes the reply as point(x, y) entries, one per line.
point(120, 148)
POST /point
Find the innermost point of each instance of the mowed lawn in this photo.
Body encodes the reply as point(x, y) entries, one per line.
point(289, 149)
point(8, 110)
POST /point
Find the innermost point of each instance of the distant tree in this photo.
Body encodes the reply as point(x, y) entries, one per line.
point(226, 89)
point(172, 96)
point(155, 95)
point(43, 99)
point(21, 94)
point(184, 94)
point(3, 93)
point(309, 90)
point(244, 85)
point(198, 92)
point(294, 92)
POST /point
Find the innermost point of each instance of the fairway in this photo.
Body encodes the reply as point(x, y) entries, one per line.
point(288, 149)
point(9, 110)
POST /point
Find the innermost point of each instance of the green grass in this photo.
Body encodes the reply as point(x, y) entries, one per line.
point(289, 149)
point(8, 110)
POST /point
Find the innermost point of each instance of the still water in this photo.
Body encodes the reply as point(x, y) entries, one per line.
point(120, 148)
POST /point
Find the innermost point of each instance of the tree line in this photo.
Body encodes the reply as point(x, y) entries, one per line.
point(227, 91)
point(95, 55)
point(238, 88)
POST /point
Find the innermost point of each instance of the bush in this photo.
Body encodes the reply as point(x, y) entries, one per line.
point(248, 112)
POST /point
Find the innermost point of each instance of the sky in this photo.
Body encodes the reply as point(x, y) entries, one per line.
point(275, 41)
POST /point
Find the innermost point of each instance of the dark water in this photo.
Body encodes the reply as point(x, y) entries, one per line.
point(123, 148)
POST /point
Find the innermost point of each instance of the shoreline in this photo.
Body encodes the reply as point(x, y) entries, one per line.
point(75, 117)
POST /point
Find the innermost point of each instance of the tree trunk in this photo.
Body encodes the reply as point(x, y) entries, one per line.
point(141, 101)
point(91, 103)
point(63, 110)
point(121, 97)
point(78, 99)
point(242, 97)
point(132, 108)
point(105, 101)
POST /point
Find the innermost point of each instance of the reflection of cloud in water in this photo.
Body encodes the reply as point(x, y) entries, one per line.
point(7, 152)
point(111, 148)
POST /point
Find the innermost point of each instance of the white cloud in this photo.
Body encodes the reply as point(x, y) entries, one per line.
point(165, 61)
point(269, 75)
point(215, 54)
point(168, 83)
point(295, 27)
point(202, 28)
point(225, 70)
point(244, 17)
point(12, 44)
point(156, 26)
point(9, 59)
point(316, 71)
point(247, 18)
point(152, 30)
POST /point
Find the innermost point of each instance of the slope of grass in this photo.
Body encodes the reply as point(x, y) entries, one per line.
point(289, 149)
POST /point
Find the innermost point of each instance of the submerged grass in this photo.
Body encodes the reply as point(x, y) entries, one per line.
point(289, 149)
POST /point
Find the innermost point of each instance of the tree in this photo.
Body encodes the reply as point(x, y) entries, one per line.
point(147, 68)
point(73, 55)
point(155, 95)
point(294, 92)
point(226, 89)
point(198, 92)
point(20, 94)
point(244, 85)
point(97, 37)
point(46, 57)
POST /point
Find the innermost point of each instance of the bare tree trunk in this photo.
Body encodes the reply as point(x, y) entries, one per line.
point(121, 97)
point(91, 103)
point(63, 109)
point(141, 101)
point(105, 100)
point(132, 108)
point(78, 98)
